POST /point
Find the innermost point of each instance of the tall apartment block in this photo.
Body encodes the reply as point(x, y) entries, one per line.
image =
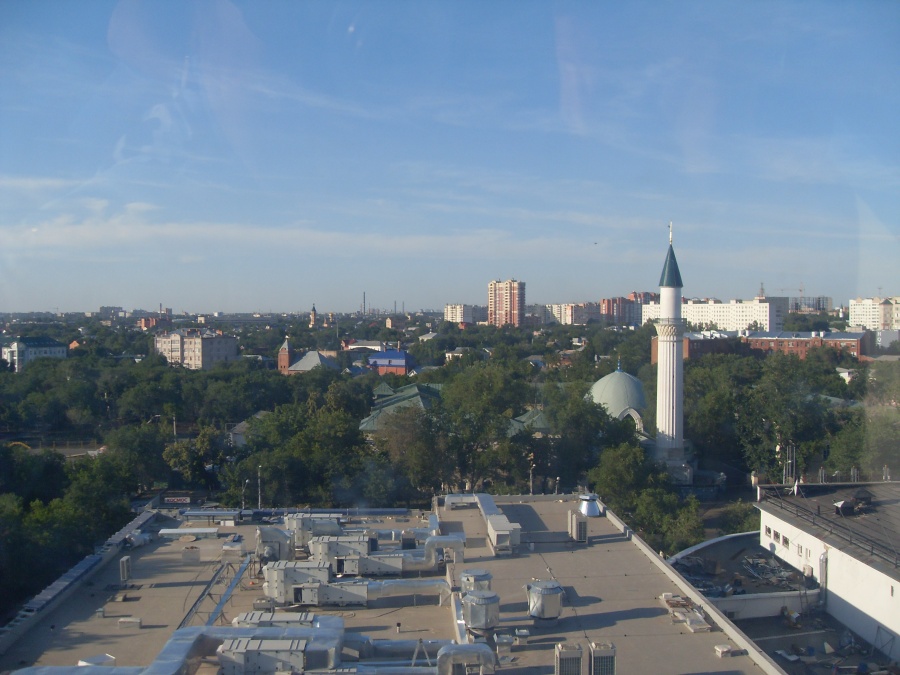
point(876, 313)
point(577, 314)
point(458, 313)
point(506, 302)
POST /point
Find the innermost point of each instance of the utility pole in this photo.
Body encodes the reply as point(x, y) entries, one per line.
point(243, 492)
point(259, 487)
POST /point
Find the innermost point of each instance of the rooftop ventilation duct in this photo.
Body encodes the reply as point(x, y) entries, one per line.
point(475, 580)
point(470, 654)
point(481, 611)
point(589, 506)
point(544, 599)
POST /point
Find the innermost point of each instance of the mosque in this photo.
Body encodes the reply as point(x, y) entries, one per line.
point(623, 394)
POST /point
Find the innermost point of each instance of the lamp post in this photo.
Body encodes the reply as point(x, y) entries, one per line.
point(243, 491)
point(259, 487)
point(531, 473)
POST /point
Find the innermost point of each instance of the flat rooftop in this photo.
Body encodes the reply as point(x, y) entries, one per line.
point(612, 594)
point(867, 527)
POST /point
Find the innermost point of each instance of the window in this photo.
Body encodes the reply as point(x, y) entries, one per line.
point(786, 542)
point(799, 550)
point(777, 538)
point(768, 531)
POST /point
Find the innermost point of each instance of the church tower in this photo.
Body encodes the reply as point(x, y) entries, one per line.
point(285, 355)
point(312, 317)
point(670, 374)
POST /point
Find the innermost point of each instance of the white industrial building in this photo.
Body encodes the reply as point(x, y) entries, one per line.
point(846, 537)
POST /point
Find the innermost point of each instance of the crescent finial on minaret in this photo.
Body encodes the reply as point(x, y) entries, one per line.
point(670, 232)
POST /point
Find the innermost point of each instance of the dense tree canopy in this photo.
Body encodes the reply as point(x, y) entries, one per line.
point(158, 425)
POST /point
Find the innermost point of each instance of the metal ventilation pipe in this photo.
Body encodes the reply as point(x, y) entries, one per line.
point(430, 559)
point(479, 653)
point(398, 587)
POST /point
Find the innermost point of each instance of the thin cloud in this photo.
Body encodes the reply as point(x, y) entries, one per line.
point(35, 183)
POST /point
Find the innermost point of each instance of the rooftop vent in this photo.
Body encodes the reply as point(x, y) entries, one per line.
point(588, 505)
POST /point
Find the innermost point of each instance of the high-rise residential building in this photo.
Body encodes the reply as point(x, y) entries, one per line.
point(574, 313)
point(761, 313)
point(626, 311)
point(197, 349)
point(506, 302)
point(458, 313)
point(876, 313)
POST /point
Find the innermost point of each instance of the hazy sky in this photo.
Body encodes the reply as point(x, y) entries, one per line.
point(267, 155)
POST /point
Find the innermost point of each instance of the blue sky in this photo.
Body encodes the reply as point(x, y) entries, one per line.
point(268, 155)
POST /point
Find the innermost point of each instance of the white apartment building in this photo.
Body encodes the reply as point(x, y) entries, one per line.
point(578, 314)
point(768, 314)
point(19, 353)
point(458, 314)
point(196, 349)
point(876, 313)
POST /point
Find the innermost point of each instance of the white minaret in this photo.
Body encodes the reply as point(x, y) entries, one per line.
point(670, 374)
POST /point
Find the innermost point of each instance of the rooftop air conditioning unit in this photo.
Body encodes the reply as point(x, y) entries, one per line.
point(603, 659)
point(578, 527)
point(568, 659)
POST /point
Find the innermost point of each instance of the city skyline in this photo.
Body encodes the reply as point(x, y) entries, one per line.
point(241, 157)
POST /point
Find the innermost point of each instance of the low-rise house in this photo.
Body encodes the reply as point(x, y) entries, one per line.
point(421, 396)
point(395, 361)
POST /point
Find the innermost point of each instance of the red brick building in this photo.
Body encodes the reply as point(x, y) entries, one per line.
point(799, 344)
point(698, 344)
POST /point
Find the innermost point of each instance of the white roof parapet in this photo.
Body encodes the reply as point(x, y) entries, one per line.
point(199, 532)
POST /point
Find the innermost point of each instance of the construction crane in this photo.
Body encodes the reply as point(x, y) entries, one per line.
point(800, 302)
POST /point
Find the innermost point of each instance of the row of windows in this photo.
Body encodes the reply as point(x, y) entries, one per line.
point(784, 541)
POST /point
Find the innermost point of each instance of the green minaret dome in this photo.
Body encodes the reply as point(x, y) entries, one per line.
point(671, 277)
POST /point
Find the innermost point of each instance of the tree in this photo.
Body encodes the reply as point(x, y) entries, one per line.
point(713, 385)
point(622, 472)
point(99, 489)
point(30, 476)
point(579, 428)
point(634, 351)
point(191, 457)
point(739, 516)
point(414, 445)
point(780, 415)
point(642, 495)
point(141, 446)
point(848, 442)
point(13, 586)
point(475, 412)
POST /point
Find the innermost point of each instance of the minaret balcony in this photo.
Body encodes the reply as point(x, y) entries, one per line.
point(670, 327)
